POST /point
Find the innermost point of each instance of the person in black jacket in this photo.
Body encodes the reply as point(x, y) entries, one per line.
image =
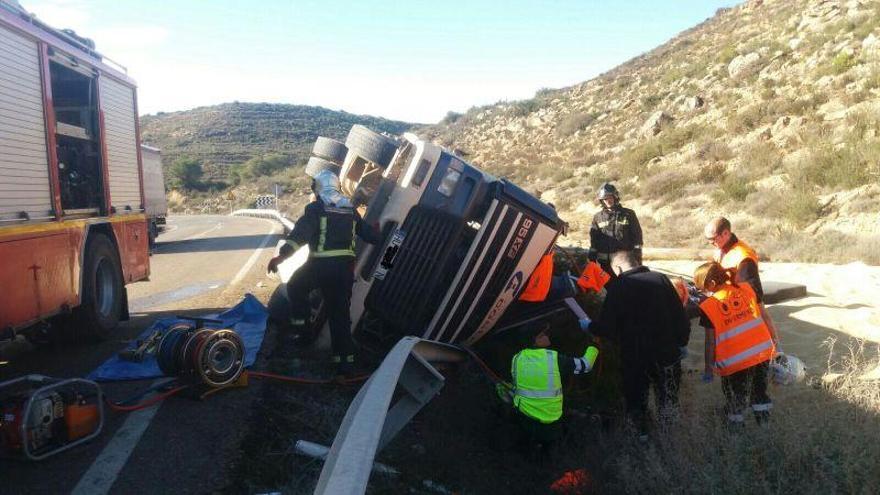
point(643, 314)
point(614, 228)
point(328, 225)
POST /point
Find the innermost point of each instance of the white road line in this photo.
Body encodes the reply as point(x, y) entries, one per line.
point(106, 468)
point(253, 259)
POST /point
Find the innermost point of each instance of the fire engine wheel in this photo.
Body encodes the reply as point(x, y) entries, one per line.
point(316, 165)
point(371, 146)
point(330, 149)
point(102, 290)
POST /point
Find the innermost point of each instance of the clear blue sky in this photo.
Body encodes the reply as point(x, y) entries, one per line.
point(411, 60)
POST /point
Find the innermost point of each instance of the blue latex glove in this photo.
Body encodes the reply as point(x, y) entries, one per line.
point(585, 324)
point(708, 377)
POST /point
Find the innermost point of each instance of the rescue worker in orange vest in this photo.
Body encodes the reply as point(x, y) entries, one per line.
point(542, 285)
point(614, 228)
point(739, 345)
point(734, 254)
point(538, 375)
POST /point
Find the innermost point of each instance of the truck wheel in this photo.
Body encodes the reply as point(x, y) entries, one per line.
point(316, 165)
point(371, 146)
point(330, 149)
point(102, 290)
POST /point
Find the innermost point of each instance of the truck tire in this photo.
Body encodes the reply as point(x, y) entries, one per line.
point(371, 146)
point(101, 305)
point(330, 149)
point(316, 165)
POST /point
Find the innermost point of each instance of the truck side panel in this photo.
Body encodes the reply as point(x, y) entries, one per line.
point(40, 272)
point(154, 184)
point(117, 103)
point(24, 169)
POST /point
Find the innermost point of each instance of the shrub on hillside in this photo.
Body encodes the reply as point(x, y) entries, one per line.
point(711, 173)
point(850, 166)
point(843, 62)
point(734, 187)
point(801, 207)
point(666, 184)
point(761, 158)
point(714, 151)
point(575, 122)
point(186, 173)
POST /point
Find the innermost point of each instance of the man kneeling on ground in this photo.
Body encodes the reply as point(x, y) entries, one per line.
point(536, 392)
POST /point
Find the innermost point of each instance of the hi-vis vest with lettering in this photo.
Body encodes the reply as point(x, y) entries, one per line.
point(593, 277)
point(742, 339)
point(538, 285)
point(735, 255)
point(537, 384)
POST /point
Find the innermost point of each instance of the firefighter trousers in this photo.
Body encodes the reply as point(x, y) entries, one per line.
point(332, 278)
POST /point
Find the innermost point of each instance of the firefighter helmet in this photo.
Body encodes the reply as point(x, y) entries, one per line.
point(786, 369)
point(606, 190)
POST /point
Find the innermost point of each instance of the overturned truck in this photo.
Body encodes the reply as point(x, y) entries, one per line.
point(458, 243)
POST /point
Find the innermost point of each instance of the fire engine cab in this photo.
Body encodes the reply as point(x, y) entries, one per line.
point(72, 227)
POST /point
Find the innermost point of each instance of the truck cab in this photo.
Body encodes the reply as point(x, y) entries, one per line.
point(459, 243)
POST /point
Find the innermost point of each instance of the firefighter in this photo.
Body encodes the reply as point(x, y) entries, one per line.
point(643, 314)
point(734, 254)
point(328, 225)
point(538, 374)
point(739, 345)
point(614, 228)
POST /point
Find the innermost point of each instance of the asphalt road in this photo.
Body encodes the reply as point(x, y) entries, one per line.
point(202, 264)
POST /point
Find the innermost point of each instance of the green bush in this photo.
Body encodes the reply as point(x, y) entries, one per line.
point(186, 173)
point(848, 167)
point(801, 207)
point(666, 184)
point(735, 187)
point(842, 63)
point(727, 54)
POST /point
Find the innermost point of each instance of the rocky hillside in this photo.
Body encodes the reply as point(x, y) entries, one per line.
point(233, 133)
point(768, 113)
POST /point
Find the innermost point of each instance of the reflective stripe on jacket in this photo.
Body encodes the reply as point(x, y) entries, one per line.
point(537, 384)
point(538, 284)
point(735, 255)
point(742, 339)
point(593, 278)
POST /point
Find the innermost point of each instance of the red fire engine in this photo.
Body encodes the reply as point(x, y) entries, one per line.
point(72, 227)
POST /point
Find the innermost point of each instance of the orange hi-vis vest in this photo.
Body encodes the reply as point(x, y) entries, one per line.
point(742, 339)
point(593, 277)
point(538, 284)
point(735, 255)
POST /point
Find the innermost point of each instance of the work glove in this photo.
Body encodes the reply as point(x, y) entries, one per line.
point(708, 376)
point(682, 352)
point(592, 255)
point(504, 391)
point(273, 264)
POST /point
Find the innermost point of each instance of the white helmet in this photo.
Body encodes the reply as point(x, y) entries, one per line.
point(786, 369)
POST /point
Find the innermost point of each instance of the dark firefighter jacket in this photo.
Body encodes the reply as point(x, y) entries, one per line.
point(329, 231)
point(615, 229)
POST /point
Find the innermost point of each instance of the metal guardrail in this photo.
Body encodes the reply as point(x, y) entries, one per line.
point(369, 424)
point(269, 214)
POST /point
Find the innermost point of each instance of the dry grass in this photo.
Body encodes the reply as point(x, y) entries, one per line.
point(821, 440)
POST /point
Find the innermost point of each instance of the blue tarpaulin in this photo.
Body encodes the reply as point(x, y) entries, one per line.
point(247, 319)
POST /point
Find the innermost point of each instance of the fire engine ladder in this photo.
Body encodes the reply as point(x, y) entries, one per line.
point(369, 424)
